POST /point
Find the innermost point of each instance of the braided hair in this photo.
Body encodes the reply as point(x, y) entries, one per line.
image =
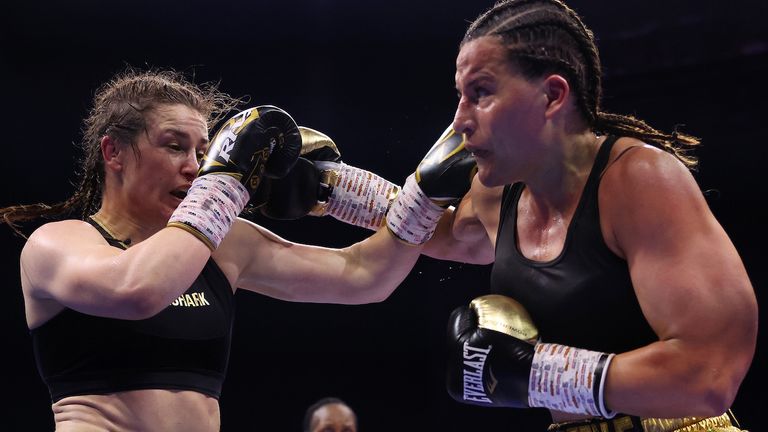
point(546, 36)
point(119, 111)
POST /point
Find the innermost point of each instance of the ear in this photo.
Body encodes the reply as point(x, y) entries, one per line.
point(558, 91)
point(110, 151)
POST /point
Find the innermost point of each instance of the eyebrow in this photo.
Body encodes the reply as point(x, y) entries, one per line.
point(474, 79)
point(185, 135)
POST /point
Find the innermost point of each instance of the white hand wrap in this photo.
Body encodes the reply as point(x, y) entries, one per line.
point(210, 208)
point(569, 379)
point(359, 197)
point(413, 217)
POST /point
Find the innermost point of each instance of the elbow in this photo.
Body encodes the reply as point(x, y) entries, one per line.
point(378, 290)
point(716, 393)
point(140, 302)
point(379, 297)
point(363, 295)
point(716, 400)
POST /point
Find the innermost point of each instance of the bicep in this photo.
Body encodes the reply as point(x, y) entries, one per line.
point(68, 263)
point(462, 234)
point(691, 286)
point(688, 277)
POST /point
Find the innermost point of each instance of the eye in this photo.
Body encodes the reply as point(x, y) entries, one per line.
point(481, 92)
point(175, 146)
point(200, 155)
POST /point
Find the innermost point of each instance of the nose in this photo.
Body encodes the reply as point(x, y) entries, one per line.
point(190, 167)
point(463, 122)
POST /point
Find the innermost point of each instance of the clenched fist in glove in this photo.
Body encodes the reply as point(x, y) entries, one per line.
point(442, 178)
point(320, 184)
point(253, 144)
point(496, 360)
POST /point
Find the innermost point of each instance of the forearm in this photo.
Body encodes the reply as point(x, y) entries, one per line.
point(673, 378)
point(382, 263)
point(153, 273)
point(676, 377)
point(366, 272)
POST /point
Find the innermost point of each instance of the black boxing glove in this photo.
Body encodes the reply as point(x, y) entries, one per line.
point(258, 142)
point(320, 184)
point(306, 185)
point(495, 360)
point(487, 365)
point(441, 179)
point(446, 171)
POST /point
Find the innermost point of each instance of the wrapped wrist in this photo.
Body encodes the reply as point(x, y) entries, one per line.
point(569, 380)
point(356, 196)
point(210, 208)
point(414, 216)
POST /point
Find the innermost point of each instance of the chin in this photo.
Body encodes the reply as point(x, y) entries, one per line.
point(488, 179)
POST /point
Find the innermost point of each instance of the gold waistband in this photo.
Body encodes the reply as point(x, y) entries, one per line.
point(722, 423)
point(689, 424)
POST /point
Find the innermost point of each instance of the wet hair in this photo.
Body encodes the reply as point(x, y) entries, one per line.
point(321, 403)
point(546, 36)
point(119, 110)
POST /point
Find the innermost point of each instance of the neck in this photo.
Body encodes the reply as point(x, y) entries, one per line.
point(558, 186)
point(122, 225)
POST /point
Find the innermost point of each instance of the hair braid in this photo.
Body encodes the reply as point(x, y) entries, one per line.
point(119, 109)
point(546, 36)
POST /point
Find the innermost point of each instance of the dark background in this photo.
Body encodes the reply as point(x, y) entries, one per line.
point(378, 77)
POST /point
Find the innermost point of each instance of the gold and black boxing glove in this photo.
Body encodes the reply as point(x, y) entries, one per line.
point(491, 346)
point(441, 179)
point(495, 359)
point(321, 184)
point(259, 142)
point(306, 185)
point(256, 143)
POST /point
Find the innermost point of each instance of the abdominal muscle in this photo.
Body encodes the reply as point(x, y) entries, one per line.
point(138, 410)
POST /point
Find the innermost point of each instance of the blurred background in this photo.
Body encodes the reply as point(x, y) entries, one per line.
point(378, 77)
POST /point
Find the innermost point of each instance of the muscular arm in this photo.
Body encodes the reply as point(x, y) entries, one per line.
point(368, 271)
point(70, 264)
point(468, 233)
point(691, 285)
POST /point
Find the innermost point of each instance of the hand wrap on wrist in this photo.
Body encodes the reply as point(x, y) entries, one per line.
point(358, 197)
point(569, 379)
point(413, 216)
point(210, 208)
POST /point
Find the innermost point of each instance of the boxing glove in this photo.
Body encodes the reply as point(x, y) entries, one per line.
point(446, 171)
point(441, 179)
point(257, 142)
point(495, 359)
point(491, 346)
point(253, 144)
point(307, 185)
point(320, 184)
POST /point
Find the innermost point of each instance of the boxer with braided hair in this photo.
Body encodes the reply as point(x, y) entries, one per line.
point(618, 299)
point(129, 301)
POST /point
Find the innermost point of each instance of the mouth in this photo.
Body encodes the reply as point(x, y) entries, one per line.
point(477, 153)
point(179, 193)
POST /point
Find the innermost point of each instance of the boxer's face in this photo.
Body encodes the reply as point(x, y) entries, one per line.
point(500, 111)
point(333, 418)
point(155, 180)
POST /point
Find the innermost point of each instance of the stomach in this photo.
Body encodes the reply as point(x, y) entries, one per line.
point(138, 410)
